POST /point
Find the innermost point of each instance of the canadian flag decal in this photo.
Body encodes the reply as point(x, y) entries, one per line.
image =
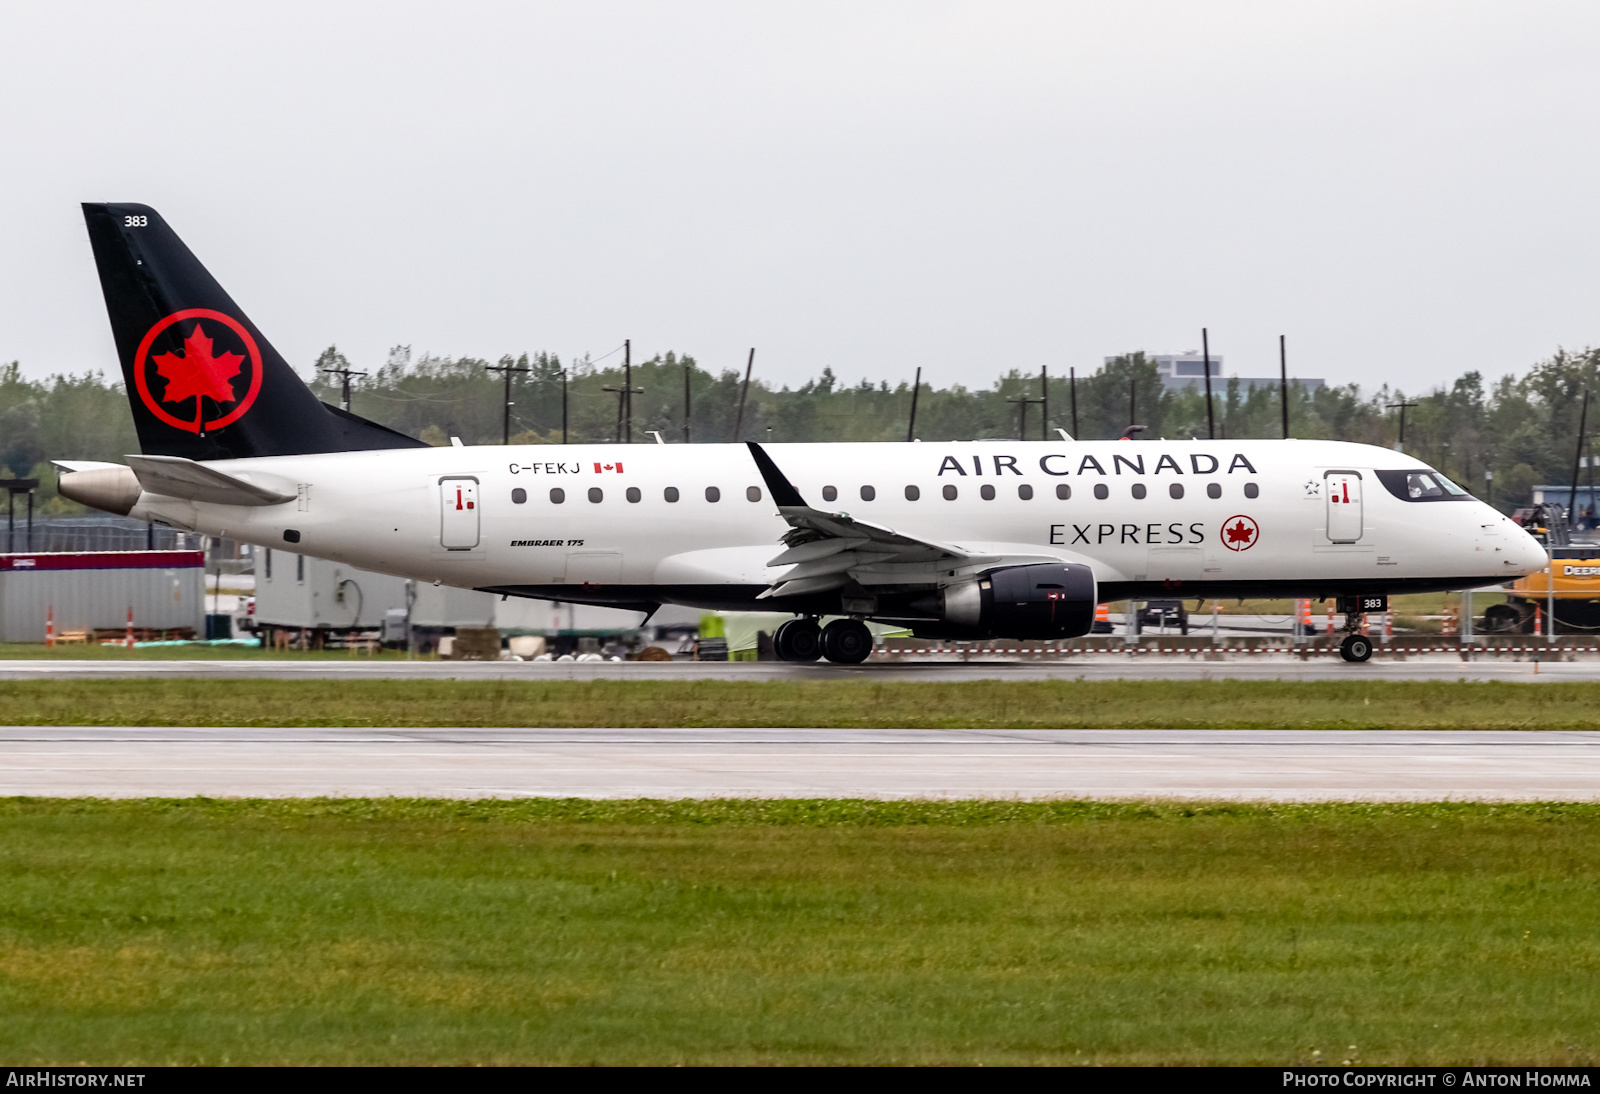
point(600, 468)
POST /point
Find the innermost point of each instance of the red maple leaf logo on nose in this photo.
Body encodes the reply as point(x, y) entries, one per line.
point(199, 372)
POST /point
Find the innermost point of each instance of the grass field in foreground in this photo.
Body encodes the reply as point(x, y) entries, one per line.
point(1134, 704)
point(797, 932)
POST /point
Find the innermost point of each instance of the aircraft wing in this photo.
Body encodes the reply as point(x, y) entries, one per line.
point(828, 550)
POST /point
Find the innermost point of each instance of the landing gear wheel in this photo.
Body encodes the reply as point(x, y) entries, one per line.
point(1355, 647)
point(798, 640)
point(846, 641)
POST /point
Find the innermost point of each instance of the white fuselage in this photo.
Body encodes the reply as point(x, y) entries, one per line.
point(1197, 518)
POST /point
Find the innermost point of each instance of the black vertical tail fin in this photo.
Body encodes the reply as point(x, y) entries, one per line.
point(202, 380)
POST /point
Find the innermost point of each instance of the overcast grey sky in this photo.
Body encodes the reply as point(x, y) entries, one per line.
point(1406, 190)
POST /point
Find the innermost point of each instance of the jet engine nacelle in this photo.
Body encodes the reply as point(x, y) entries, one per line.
point(1047, 600)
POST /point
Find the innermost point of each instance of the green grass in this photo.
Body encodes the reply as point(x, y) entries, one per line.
point(1102, 704)
point(148, 932)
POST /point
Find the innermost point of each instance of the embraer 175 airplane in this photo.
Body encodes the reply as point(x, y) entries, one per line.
point(952, 540)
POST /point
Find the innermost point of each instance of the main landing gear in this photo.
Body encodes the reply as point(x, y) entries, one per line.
point(844, 641)
point(798, 640)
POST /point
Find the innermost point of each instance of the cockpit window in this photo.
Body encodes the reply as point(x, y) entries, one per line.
point(1426, 485)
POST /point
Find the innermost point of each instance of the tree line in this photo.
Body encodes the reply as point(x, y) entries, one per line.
point(1521, 430)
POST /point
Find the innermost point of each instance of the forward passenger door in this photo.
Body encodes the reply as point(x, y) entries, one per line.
point(1343, 492)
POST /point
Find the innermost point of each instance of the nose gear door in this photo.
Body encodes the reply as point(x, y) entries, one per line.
point(1343, 491)
point(458, 514)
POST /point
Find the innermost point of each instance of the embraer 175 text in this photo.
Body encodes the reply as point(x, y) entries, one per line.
point(953, 540)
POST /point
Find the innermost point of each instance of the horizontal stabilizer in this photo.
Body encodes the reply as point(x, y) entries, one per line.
point(71, 466)
point(177, 477)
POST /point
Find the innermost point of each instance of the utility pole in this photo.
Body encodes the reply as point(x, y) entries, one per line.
point(916, 385)
point(1022, 413)
point(624, 396)
point(563, 406)
point(688, 374)
point(505, 423)
point(1133, 400)
point(1211, 417)
point(1044, 397)
point(627, 391)
point(1577, 458)
point(738, 423)
point(1283, 381)
point(346, 373)
point(1400, 445)
point(1072, 387)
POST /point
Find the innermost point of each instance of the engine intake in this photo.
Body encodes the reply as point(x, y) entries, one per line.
point(1047, 600)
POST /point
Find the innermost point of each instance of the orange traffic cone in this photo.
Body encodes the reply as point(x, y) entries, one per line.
point(1330, 619)
point(50, 626)
point(1102, 614)
point(1305, 617)
point(127, 641)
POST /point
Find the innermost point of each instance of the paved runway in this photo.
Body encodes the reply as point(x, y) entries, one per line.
point(1274, 666)
point(677, 763)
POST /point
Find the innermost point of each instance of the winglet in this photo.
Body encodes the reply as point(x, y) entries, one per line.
point(782, 490)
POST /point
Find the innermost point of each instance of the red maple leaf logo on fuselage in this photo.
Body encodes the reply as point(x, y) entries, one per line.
point(199, 374)
point(1240, 533)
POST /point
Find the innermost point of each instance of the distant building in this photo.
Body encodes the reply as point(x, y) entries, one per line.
point(1188, 370)
point(1549, 492)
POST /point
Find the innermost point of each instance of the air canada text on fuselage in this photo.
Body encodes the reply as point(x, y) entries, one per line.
point(1060, 464)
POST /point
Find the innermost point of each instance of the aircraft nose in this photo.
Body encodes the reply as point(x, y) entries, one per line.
point(1531, 556)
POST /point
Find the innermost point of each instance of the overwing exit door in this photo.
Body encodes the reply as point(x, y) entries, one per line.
point(458, 514)
point(1343, 491)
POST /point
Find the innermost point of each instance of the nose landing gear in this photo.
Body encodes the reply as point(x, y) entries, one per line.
point(1356, 646)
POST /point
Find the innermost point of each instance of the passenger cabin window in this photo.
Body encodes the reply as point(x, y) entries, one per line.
point(713, 494)
point(1063, 492)
point(1025, 492)
point(596, 494)
point(557, 495)
point(1175, 490)
point(519, 496)
point(950, 492)
point(1213, 490)
point(1251, 490)
point(752, 493)
point(868, 493)
point(1102, 491)
point(912, 493)
point(670, 493)
point(633, 493)
point(1426, 485)
point(1139, 490)
point(986, 492)
point(829, 493)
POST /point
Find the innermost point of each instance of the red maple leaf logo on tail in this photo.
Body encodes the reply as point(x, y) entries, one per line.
point(200, 372)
